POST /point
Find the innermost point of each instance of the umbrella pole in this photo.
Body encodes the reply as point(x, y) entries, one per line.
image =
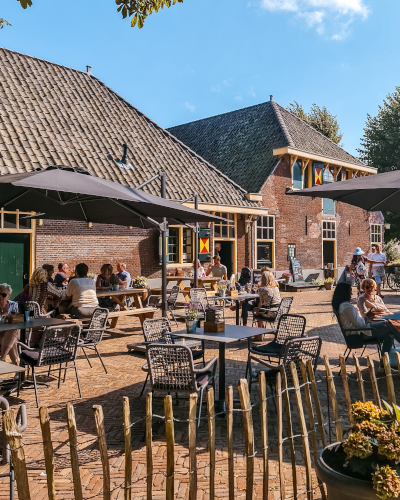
point(164, 252)
point(196, 244)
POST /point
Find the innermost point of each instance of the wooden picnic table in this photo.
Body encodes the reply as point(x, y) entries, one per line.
point(201, 281)
point(139, 294)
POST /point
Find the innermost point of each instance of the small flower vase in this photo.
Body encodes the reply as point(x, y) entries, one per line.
point(287, 278)
point(191, 326)
point(328, 286)
point(222, 293)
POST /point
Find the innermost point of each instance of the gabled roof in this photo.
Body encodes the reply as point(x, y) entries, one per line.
point(241, 143)
point(54, 115)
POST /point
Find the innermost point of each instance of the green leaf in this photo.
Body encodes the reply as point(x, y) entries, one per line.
point(389, 408)
point(397, 412)
point(140, 22)
point(134, 21)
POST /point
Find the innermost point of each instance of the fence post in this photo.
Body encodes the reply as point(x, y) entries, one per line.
point(229, 424)
point(332, 393)
point(280, 434)
point(262, 394)
point(317, 404)
point(290, 430)
point(48, 451)
point(149, 443)
point(128, 447)
point(374, 382)
point(14, 438)
point(169, 432)
point(101, 434)
point(211, 439)
point(345, 382)
point(359, 378)
point(73, 446)
point(192, 447)
point(248, 435)
point(304, 434)
point(389, 379)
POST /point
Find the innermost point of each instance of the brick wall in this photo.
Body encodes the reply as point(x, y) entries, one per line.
point(294, 213)
point(74, 242)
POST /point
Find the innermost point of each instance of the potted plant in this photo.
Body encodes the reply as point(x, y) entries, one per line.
point(139, 282)
point(318, 282)
point(191, 312)
point(287, 277)
point(114, 282)
point(221, 290)
point(365, 465)
point(329, 283)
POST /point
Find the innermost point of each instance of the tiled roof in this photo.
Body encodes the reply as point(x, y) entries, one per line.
point(241, 143)
point(54, 115)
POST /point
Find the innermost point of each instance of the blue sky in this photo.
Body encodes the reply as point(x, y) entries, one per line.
point(206, 57)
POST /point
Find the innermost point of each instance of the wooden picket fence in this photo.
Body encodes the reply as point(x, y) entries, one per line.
point(313, 428)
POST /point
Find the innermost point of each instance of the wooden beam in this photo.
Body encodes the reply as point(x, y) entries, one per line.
point(293, 160)
point(326, 165)
point(337, 172)
point(304, 164)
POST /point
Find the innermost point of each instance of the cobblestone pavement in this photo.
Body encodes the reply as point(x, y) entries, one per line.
point(125, 378)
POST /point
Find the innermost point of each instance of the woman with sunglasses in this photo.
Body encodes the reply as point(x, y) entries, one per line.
point(370, 301)
point(9, 338)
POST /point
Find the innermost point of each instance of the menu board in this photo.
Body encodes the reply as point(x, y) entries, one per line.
point(297, 271)
point(256, 276)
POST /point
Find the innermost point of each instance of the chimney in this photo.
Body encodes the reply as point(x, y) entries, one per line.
point(89, 70)
point(124, 159)
point(271, 97)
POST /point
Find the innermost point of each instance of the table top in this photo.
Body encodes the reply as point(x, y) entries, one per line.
point(245, 296)
point(395, 315)
point(122, 291)
point(6, 368)
point(232, 333)
point(33, 323)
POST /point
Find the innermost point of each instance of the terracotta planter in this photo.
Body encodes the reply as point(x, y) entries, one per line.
point(339, 486)
point(328, 286)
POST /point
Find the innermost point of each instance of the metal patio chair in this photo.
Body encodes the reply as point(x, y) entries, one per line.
point(93, 333)
point(172, 369)
point(284, 308)
point(58, 345)
point(199, 296)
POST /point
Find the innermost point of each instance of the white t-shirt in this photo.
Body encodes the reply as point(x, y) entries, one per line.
point(381, 257)
point(83, 292)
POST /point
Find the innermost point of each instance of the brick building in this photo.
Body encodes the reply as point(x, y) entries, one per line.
point(266, 149)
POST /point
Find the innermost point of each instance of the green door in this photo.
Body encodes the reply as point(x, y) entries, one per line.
point(14, 260)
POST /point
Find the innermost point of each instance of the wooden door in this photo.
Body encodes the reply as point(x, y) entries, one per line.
point(14, 260)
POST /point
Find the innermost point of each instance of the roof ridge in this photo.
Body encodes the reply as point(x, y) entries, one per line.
point(318, 132)
point(282, 123)
point(163, 130)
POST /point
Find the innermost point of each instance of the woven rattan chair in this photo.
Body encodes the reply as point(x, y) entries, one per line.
point(93, 334)
point(284, 308)
point(37, 313)
point(306, 348)
point(199, 296)
point(57, 346)
point(290, 326)
point(158, 331)
point(172, 369)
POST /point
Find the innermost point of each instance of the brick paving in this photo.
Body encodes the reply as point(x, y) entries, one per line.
point(125, 378)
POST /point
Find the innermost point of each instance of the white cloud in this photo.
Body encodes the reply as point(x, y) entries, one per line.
point(222, 85)
point(238, 98)
point(337, 15)
point(190, 107)
point(251, 91)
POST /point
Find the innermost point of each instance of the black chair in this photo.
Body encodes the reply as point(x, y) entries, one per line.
point(171, 369)
point(93, 334)
point(284, 308)
point(155, 301)
point(158, 331)
point(290, 326)
point(58, 345)
point(199, 297)
point(354, 338)
point(306, 348)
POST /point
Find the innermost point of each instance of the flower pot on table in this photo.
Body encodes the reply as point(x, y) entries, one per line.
point(191, 326)
point(341, 486)
point(328, 286)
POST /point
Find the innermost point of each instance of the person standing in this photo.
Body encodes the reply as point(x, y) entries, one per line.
point(371, 256)
point(358, 267)
point(218, 270)
point(378, 268)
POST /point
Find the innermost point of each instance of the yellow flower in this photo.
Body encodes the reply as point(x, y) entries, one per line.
point(357, 445)
point(386, 482)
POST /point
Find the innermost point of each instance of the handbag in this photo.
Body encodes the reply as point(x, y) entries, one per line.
point(379, 271)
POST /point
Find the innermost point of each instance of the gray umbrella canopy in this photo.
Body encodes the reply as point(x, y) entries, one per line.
point(380, 192)
point(60, 193)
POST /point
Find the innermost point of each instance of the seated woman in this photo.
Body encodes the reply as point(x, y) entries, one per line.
point(350, 318)
point(269, 298)
point(40, 289)
point(82, 291)
point(9, 338)
point(104, 278)
point(370, 301)
point(200, 269)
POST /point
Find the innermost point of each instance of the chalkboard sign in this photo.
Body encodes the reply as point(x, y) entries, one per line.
point(256, 276)
point(297, 271)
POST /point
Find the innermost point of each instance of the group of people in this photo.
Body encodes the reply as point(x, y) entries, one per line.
point(371, 265)
point(75, 290)
point(216, 269)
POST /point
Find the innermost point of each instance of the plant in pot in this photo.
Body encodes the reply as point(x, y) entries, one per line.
point(114, 282)
point(286, 276)
point(139, 282)
point(366, 465)
point(329, 283)
point(318, 282)
point(192, 313)
point(221, 290)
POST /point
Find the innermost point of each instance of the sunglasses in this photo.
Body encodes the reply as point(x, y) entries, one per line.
point(4, 294)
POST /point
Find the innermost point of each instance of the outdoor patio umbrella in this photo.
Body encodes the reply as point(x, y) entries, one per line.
point(374, 192)
point(62, 193)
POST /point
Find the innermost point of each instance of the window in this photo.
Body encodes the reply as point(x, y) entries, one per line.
point(225, 229)
point(328, 230)
point(173, 245)
point(264, 254)
point(376, 233)
point(297, 178)
point(265, 228)
point(15, 220)
point(187, 238)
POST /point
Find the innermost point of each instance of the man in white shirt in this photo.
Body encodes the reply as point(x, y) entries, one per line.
point(218, 270)
point(378, 269)
point(82, 291)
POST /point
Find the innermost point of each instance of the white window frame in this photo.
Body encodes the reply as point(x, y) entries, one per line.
point(180, 248)
point(268, 240)
point(373, 233)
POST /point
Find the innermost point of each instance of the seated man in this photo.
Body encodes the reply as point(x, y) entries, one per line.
point(218, 270)
point(82, 291)
point(61, 278)
point(123, 274)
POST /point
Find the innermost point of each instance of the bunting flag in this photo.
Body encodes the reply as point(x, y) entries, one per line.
point(204, 245)
point(318, 176)
point(344, 176)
